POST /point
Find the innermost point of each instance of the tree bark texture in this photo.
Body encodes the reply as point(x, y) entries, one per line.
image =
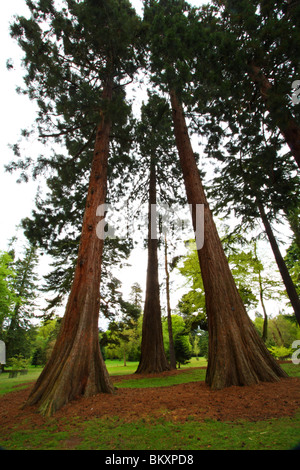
point(287, 125)
point(153, 358)
point(76, 366)
point(237, 355)
point(288, 282)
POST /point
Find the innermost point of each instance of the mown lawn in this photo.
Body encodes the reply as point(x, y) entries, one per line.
point(114, 368)
point(113, 434)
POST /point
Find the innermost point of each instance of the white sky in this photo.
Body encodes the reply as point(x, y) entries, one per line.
point(17, 200)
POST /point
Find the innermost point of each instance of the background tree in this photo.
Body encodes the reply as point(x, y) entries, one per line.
point(182, 345)
point(135, 296)
point(282, 332)
point(192, 304)
point(8, 296)
point(18, 332)
point(156, 146)
point(122, 339)
point(45, 337)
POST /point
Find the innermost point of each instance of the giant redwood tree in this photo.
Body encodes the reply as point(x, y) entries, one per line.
point(237, 355)
point(78, 59)
point(153, 358)
point(157, 146)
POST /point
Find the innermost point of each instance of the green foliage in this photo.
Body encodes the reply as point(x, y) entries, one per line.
point(282, 331)
point(253, 154)
point(18, 362)
point(203, 344)
point(156, 143)
point(183, 349)
point(192, 304)
point(292, 260)
point(8, 296)
point(17, 330)
point(123, 337)
point(280, 352)
point(252, 281)
point(45, 338)
point(182, 345)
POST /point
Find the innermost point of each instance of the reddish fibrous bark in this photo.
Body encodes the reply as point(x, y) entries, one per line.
point(237, 355)
point(76, 366)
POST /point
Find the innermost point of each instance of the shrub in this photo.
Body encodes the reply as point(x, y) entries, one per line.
point(18, 362)
point(280, 352)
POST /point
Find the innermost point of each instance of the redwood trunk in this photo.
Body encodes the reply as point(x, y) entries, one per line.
point(153, 358)
point(237, 355)
point(287, 125)
point(76, 366)
point(289, 285)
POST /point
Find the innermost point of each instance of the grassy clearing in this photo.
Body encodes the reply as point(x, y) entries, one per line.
point(113, 433)
point(8, 385)
point(114, 368)
point(161, 434)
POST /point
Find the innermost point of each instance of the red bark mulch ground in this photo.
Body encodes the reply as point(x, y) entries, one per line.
point(178, 402)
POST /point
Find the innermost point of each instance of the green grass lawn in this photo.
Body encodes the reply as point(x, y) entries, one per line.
point(114, 368)
point(21, 381)
point(113, 433)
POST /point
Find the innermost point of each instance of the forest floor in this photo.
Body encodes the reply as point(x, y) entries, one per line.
point(178, 403)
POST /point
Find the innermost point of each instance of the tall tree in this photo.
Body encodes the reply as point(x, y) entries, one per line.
point(26, 289)
point(135, 296)
point(8, 296)
point(77, 59)
point(237, 355)
point(156, 145)
point(153, 358)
